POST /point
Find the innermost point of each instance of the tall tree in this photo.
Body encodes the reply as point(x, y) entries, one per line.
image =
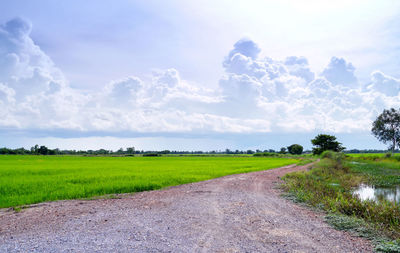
point(323, 142)
point(386, 127)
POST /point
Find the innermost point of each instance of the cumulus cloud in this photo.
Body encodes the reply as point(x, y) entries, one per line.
point(245, 47)
point(122, 92)
point(298, 66)
point(385, 84)
point(294, 98)
point(37, 92)
point(256, 94)
point(339, 72)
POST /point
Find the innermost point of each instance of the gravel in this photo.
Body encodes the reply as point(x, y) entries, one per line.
point(237, 213)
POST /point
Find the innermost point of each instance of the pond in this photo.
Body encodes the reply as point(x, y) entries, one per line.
point(368, 192)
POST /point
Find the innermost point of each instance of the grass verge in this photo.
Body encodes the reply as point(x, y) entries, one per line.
point(329, 184)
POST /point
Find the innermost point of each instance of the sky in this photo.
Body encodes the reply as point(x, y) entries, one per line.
point(196, 75)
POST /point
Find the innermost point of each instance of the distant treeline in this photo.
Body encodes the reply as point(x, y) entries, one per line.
point(43, 150)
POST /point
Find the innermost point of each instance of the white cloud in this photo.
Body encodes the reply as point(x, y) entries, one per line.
point(122, 93)
point(255, 95)
point(298, 66)
point(339, 72)
point(385, 84)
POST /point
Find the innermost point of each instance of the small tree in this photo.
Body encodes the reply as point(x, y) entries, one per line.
point(43, 150)
point(130, 150)
point(324, 142)
point(282, 151)
point(386, 128)
point(295, 149)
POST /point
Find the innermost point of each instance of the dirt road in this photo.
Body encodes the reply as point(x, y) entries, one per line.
point(238, 213)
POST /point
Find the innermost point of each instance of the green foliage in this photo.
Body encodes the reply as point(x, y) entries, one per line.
point(323, 142)
point(336, 157)
point(33, 179)
point(386, 127)
point(267, 154)
point(151, 154)
point(295, 149)
point(283, 150)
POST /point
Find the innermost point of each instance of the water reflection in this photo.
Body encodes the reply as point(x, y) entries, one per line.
point(368, 192)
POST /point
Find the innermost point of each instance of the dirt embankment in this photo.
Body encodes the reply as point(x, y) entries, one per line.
point(237, 213)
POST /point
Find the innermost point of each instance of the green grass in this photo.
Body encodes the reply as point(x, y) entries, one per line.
point(383, 173)
point(359, 227)
point(330, 183)
point(371, 155)
point(33, 179)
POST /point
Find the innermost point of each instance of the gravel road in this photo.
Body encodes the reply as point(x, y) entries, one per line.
point(237, 213)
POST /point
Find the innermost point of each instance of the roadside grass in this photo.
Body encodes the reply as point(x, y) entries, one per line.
point(306, 160)
point(329, 184)
point(361, 228)
point(27, 180)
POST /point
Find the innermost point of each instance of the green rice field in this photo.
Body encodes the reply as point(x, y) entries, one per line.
point(33, 179)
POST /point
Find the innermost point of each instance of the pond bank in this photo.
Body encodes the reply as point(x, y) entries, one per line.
point(331, 183)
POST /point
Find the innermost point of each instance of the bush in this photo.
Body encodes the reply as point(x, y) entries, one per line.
point(151, 154)
point(336, 157)
point(266, 154)
point(295, 149)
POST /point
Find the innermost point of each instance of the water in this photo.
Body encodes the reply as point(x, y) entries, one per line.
point(368, 192)
point(353, 162)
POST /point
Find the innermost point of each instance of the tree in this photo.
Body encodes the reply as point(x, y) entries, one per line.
point(283, 150)
point(386, 128)
point(323, 142)
point(295, 149)
point(35, 149)
point(130, 150)
point(43, 150)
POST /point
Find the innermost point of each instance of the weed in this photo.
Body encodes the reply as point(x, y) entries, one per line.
point(330, 183)
point(359, 227)
point(388, 246)
point(354, 225)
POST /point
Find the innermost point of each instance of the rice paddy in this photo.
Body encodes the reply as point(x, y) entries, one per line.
point(32, 179)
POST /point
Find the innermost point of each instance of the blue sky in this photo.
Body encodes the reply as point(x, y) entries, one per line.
point(196, 75)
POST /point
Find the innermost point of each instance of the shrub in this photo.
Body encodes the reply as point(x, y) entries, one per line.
point(151, 154)
point(336, 157)
point(295, 149)
point(266, 154)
